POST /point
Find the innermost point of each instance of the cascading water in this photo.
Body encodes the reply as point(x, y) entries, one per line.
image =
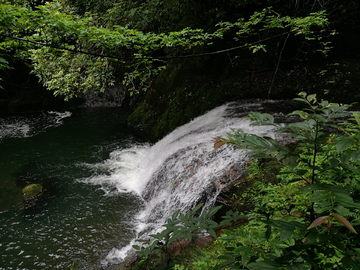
point(103, 184)
point(179, 171)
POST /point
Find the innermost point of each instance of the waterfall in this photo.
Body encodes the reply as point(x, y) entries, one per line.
point(179, 171)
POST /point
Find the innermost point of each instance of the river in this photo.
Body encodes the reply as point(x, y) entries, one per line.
point(105, 185)
point(74, 221)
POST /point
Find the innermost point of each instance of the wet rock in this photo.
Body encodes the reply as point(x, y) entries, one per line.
point(31, 191)
point(131, 259)
point(203, 240)
point(178, 247)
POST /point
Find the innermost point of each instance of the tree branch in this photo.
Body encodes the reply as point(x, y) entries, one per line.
point(143, 58)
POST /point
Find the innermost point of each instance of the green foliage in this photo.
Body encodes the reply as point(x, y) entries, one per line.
point(179, 226)
point(67, 73)
point(207, 258)
point(74, 54)
point(31, 191)
point(179, 267)
point(320, 185)
point(4, 64)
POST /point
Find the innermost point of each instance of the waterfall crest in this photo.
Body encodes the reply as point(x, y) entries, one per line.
point(182, 169)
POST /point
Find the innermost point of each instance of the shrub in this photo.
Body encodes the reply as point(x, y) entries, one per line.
point(320, 180)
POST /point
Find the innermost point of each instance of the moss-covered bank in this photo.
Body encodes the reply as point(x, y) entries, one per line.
point(180, 93)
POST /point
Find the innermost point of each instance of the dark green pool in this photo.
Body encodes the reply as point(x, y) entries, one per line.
point(73, 221)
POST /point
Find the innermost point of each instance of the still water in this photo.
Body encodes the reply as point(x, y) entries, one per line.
point(75, 220)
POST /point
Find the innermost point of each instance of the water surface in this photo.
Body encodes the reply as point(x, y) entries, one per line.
point(73, 221)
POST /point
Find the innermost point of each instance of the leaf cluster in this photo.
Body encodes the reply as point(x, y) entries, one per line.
point(322, 175)
point(84, 46)
point(154, 251)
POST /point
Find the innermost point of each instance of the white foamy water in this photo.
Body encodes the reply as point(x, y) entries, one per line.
point(179, 171)
point(14, 130)
point(59, 116)
point(23, 125)
point(121, 172)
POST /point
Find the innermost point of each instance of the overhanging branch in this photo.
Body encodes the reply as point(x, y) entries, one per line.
point(146, 57)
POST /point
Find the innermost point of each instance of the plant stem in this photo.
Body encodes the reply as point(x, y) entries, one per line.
point(312, 211)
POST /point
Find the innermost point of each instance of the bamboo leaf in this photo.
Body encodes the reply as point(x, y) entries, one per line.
point(212, 233)
point(218, 144)
point(299, 99)
point(174, 216)
point(213, 211)
point(318, 222)
point(344, 222)
point(193, 212)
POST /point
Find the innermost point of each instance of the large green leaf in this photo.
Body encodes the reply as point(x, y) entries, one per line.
point(212, 233)
point(296, 266)
point(286, 233)
point(213, 211)
point(343, 143)
point(261, 266)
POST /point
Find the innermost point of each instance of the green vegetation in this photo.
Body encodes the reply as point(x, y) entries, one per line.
point(178, 227)
point(32, 190)
point(226, 49)
point(74, 52)
point(307, 220)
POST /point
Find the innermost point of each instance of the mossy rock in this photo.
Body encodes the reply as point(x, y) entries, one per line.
point(30, 191)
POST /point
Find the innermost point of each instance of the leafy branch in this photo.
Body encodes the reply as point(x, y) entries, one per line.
point(325, 166)
point(69, 35)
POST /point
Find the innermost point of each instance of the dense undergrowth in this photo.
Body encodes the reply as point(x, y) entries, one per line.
point(307, 219)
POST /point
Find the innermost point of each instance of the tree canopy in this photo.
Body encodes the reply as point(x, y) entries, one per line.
point(75, 47)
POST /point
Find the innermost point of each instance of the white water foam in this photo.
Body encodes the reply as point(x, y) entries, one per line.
point(18, 129)
point(59, 116)
point(180, 170)
point(121, 172)
point(21, 126)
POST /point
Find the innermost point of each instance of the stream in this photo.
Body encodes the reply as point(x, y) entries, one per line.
point(104, 184)
point(72, 221)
